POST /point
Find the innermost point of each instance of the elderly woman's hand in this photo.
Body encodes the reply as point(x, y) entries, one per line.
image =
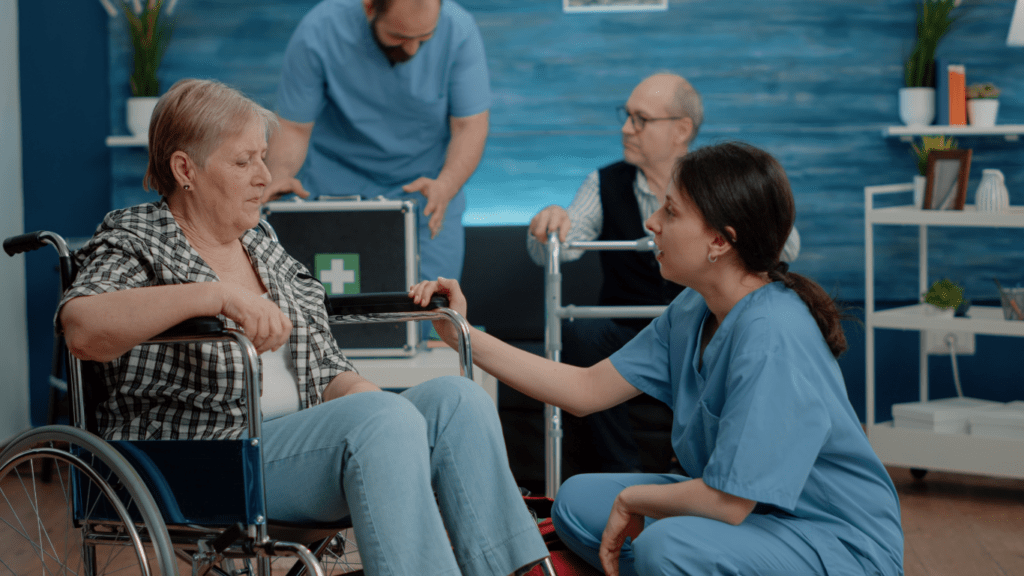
point(262, 321)
point(421, 294)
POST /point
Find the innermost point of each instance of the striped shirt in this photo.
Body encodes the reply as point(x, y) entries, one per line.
point(195, 391)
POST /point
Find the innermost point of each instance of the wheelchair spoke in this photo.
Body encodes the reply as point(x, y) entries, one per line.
point(42, 545)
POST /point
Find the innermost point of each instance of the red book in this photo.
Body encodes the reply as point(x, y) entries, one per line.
point(957, 95)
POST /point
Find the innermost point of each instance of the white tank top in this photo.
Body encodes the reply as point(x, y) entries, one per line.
point(280, 382)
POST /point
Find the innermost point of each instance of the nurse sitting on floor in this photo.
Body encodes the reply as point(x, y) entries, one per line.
point(781, 477)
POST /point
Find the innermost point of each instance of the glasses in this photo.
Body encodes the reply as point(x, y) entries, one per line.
point(639, 122)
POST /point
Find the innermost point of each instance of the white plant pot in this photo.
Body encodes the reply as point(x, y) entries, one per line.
point(919, 182)
point(917, 106)
point(138, 114)
point(982, 111)
point(933, 310)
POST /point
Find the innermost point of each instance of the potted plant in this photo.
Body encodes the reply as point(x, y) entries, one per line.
point(982, 104)
point(943, 298)
point(917, 98)
point(150, 30)
point(928, 143)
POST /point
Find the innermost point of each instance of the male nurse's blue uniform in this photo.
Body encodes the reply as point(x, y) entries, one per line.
point(767, 418)
point(378, 126)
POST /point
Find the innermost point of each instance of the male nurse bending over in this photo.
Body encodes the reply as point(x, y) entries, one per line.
point(386, 98)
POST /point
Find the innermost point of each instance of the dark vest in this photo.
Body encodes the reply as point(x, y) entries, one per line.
point(630, 278)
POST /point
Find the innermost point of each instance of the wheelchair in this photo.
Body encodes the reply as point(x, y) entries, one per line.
point(73, 503)
point(554, 312)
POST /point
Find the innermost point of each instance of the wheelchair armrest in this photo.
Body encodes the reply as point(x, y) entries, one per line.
point(381, 303)
point(199, 327)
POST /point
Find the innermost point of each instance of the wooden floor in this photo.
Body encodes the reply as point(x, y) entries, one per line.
point(961, 525)
point(954, 525)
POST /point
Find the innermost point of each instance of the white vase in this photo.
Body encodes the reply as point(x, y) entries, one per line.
point(992, 195)
point(138, 113)
point(917, 106)
point(919, 182)
point(933, 310)
point(982, 111)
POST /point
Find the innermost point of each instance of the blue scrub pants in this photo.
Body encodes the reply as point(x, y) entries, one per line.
point(679, 545)
point(384, 457)
point(442, 255)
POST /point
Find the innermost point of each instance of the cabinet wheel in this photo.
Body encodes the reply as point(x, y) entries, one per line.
point(918, 473)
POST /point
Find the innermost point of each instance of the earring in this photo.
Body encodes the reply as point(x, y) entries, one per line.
point(186, 186)
point(712, 260)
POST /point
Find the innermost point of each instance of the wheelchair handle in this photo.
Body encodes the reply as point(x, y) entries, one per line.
point(29, 242)
point(383, 302)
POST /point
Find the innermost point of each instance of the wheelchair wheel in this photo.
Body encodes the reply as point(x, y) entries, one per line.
point(79, 521)
point(341, 555)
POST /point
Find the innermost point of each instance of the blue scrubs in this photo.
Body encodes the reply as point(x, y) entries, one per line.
point(765, 417)
point(378, 126)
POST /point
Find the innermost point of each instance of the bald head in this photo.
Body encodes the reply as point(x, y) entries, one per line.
point(677, 95)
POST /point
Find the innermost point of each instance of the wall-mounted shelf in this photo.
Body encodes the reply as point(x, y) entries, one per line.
point(1011, 132)
point(121, 141)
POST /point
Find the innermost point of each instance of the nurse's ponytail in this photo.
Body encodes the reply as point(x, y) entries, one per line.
point(739, 186)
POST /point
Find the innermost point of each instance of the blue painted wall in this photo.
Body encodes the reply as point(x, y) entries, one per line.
point(66, 166)
point(812, 81)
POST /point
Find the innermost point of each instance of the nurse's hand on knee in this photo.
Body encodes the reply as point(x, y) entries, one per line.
point(621, 524)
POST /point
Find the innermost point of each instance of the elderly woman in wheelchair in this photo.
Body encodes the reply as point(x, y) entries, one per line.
point(423, 474)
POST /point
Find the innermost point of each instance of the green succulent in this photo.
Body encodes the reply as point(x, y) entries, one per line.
point(945, 294)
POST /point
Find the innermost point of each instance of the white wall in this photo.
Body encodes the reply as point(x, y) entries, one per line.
point(13, 329)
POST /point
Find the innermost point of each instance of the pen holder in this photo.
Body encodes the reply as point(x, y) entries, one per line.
point(1017, 296)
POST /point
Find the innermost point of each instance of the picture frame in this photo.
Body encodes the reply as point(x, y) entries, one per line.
point(613, 5)
point(946, 179)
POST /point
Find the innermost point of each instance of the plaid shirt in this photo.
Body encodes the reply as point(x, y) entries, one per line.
point(195, 391)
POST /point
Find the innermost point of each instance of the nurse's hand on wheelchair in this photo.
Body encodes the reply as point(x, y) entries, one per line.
point(421, 293)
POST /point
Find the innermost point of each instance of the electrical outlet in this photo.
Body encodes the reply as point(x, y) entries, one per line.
point(935, 341)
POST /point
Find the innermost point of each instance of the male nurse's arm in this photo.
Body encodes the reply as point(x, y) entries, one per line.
point(466, 147)
point(286, 151)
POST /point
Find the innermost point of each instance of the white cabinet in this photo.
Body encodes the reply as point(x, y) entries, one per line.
point(919, 448)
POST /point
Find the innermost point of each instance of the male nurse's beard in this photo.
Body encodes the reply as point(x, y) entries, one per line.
point(394, 54)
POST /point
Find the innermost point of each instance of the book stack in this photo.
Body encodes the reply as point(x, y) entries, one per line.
point(950, 93)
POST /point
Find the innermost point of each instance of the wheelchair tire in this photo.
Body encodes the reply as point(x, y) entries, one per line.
point(55, 527)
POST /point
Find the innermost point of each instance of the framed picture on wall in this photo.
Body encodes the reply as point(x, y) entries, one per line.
point(946, 179)
point(613, 5)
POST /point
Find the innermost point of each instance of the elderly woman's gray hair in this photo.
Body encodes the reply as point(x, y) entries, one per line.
point(195, 116)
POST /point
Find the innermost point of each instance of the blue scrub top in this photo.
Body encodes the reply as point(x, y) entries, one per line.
point(378, 126)
point(767, 418)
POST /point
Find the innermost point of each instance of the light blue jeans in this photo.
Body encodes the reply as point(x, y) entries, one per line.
point(423, 474)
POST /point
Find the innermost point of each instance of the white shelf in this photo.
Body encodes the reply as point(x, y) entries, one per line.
point(979, 320)
point(1011, 132)
point(911, 448)
point(925, 449)
point(968, 217)
point(121, 141)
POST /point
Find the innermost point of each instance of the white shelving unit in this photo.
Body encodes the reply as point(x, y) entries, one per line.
point(918, 448)
point(1009, 131)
